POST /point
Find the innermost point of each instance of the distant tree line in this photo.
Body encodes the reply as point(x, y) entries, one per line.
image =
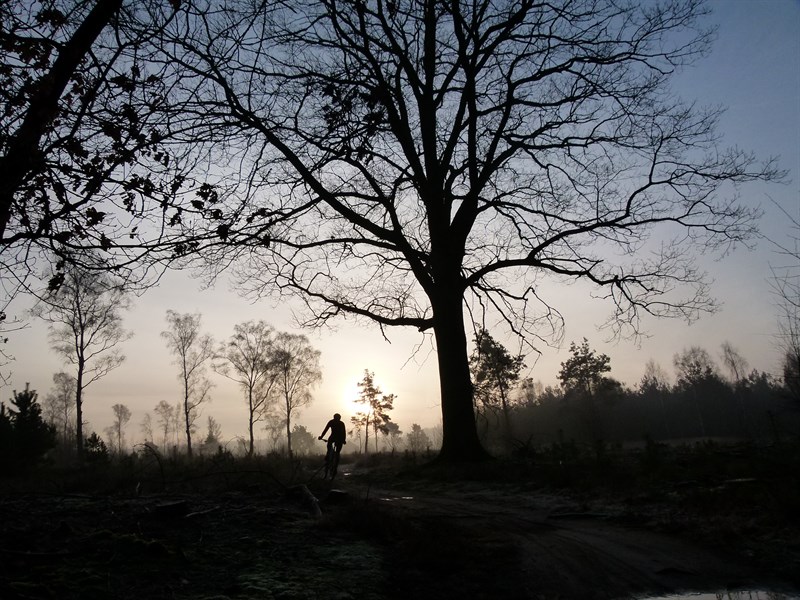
point(590, 406)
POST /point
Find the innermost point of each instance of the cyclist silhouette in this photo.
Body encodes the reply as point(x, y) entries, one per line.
point(335, 442)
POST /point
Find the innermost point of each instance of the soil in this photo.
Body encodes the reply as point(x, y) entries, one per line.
point(373, 538)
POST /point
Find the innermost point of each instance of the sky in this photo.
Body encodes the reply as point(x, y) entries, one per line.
point(753, 70)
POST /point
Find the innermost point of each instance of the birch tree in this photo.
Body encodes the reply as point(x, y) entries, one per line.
point(85, 316)
point(297, 366)
point(248, 360)
point(193, 352)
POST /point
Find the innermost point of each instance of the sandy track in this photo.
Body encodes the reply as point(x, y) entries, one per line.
point(560, 554)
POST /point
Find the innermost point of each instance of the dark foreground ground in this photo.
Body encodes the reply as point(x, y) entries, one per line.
point(237, 531)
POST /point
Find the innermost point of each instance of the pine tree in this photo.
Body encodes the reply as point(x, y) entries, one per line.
point(31, 436)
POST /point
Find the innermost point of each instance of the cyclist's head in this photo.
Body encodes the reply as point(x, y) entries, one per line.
point(337, 417)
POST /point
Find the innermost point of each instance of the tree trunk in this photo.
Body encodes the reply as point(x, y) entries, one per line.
point(250, 424)
point(186, 411)
point(507, 419)
point(79, 413)
point(366, 435)
point(460, 442)
point(288, 428)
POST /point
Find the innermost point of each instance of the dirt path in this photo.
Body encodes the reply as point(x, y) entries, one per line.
point(422, 539)
point(542, 550)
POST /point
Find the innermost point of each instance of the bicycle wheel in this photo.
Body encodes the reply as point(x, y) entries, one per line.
point(329, 468)
point(334, 464)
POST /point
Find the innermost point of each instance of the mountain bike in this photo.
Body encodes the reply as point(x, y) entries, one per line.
point(331, 460)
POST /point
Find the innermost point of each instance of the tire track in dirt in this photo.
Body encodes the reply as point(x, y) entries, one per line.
point(578, 556)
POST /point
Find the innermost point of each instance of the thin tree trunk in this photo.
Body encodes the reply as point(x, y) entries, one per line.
point(188, 429)
point(366, 435)
point(250, 424)
point(186, 415)
point(288, 429)
point(79, 413)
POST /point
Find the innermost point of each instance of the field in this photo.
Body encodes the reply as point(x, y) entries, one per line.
point(655, 521)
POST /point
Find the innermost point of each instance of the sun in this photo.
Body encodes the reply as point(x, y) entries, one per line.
point(350, 394)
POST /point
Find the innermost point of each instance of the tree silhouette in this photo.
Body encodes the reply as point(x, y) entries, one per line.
point(786, 287)
point(297, 366)
point(401, 162)
point(494, 373)
point(164, 416)
point(95, 449)
point(82, 163)
point(122, 415)
point(654, 387)
point(302, 440)
point(375, 415)
point(21, 160)
point(31, 436)
point(417, 440)
point(146, 427)
point(213, 440)
point(59, 405)
point(585, 385)
point(85, 312)
point(193, 351)
point(735, 362)
point(249, 354)
point(696, 377)
point(6, 439)
point(394, 436)
point(659, 411)
point(368, 395)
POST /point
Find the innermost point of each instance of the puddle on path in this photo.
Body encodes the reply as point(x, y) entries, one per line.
point(728, 595)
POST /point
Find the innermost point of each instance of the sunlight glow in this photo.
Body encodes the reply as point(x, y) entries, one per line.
point(350, 394)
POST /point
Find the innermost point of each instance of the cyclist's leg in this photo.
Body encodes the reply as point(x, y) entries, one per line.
point(330, 469)
point(335, 466)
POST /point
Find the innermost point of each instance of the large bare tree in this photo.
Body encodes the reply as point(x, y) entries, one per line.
point(423, 163)
point(193, 352)
point(85, 316)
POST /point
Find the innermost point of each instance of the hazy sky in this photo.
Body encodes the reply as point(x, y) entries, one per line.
point(754, 70)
